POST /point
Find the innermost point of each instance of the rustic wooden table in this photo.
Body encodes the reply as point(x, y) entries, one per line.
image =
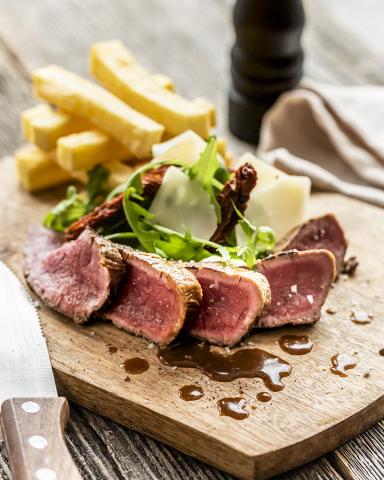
point(189, 41)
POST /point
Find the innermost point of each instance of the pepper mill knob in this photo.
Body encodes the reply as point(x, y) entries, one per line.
point(266, 60)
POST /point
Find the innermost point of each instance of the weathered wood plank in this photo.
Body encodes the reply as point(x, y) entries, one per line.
point(196, 57)
point(362, 457)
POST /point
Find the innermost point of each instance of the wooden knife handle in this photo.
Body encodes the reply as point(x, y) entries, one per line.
point(33, 430)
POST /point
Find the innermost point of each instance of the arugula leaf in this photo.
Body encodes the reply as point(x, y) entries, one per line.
point(260, 241)
point(66, 212)
point(122, 237)
point(135, 179)
point(74, 206)
point(97, 186)
point(136, 215)
point(204, 170)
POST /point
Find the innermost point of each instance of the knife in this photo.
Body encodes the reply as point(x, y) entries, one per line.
point(33, 417)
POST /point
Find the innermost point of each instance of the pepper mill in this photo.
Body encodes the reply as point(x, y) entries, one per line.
point(266, 60)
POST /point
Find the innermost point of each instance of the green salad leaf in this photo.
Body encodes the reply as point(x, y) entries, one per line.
point(97, 186)
point(260, 241)
point(66, 212)
point(75, 205)
point(139, 227)
point(204, 173)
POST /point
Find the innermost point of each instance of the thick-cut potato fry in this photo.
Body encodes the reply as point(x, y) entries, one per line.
point(113, 65)
point(37, 169)
point(164, 81)
point(80, 97)
point(42, 125)
point(84, 150)
point(206, 104)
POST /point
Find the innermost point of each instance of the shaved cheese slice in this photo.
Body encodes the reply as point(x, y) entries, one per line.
point(266, 173)
point(278, 201)
point(181, 203)
point(187, 146)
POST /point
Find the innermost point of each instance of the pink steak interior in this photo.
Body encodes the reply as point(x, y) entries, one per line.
point(299, 287)
point(147, 304)
point(229, 307)
point(74, 278)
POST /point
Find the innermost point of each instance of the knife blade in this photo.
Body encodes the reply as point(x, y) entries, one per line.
point(26, 368)
point(33, 417)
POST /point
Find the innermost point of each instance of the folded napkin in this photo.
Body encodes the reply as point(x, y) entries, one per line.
point(338, 130)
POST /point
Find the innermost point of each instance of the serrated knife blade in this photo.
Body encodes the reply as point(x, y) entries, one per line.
point(33, 417)
point(25, 364)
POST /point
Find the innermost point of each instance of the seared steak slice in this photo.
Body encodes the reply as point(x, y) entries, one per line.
point(74, 278)
point(299, 282)
point(155, 297)
point(235, 192)
point(113, 209)
point(321, 232)
point(233, 298)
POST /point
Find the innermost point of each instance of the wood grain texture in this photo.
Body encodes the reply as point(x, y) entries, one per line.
point(315, 413)
point(35, 438)
point(194, 51)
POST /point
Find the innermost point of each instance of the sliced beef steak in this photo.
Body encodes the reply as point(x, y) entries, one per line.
point(155, 297)
point(233, 299)
point(321, 232)
point(299, 282)
point(74, 278)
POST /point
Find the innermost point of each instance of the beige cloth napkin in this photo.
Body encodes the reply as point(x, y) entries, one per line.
point(338, 130)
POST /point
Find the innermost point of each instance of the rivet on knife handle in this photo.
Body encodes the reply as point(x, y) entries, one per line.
point(33, 429)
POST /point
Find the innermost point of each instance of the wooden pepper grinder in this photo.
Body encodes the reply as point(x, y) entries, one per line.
point(267, 60)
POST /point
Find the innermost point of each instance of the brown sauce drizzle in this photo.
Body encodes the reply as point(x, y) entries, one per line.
point(263, 397)
point(111, 349)
point(245, 363)
point(381, 352)
point(295, 344)
point(360, 317)
point(342, 362)
point(191, 392)
point(233, 407)
point(135, 365)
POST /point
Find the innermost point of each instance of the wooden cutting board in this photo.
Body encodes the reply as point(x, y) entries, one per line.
point(317, 410)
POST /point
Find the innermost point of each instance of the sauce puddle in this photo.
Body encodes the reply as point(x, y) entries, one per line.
point(263, 397)
point(342, 362)
point(135, 365)
point(245, 363)
point(295, 344)
point(233, 407)
point(190, 393)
